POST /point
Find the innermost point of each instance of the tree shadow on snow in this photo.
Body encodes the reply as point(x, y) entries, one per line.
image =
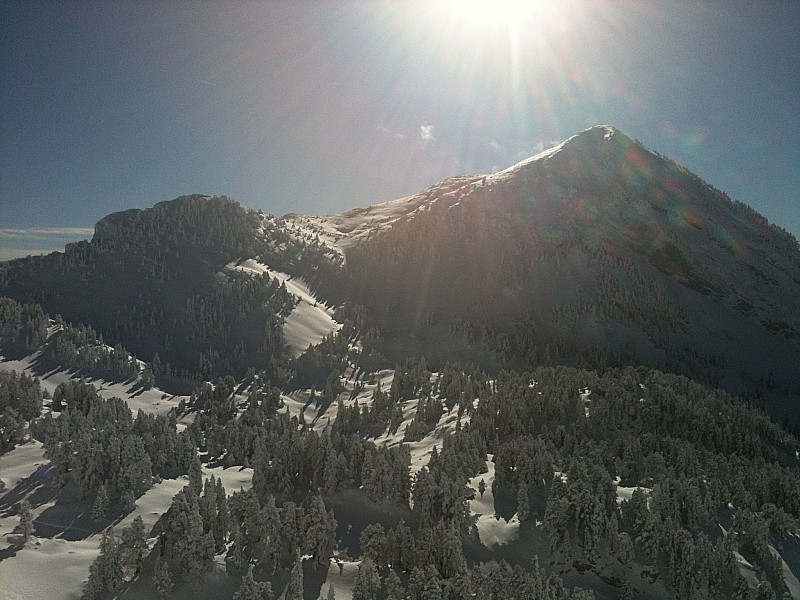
point(68, 514)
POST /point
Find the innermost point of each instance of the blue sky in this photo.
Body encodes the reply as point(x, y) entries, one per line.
point(321, 107)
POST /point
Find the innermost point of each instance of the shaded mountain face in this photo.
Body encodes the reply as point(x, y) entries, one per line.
point(152, 281)
point(595, 252)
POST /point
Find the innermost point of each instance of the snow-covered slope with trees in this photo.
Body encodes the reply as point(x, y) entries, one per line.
point(438, 397)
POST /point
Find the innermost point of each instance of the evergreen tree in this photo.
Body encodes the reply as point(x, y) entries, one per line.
point(374, 544)
point(223, 520)
point(133, 545)
point(294, 591)
point(394, 586)
point(523, 504)
point(462, 587)
point(184, 533)
point(416, 583)
point(291, 526)
point(196, 475)
point(401, 547)
point(433, 586)
point(25, 520)
point(320, 537)
point(161, 578)
point(105, 573)
point(237, 551)
point(253, 590)
point(128, 501)
point(270, 528)
point(100, 506)
point(368, 581)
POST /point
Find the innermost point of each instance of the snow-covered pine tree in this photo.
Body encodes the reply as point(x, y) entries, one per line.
point(184, 531)
point(133, 546)
point(294, 591)
point(394, 586)
point(523, 504)
point(100, 506)
point(105, 573)
point(368, 581)
point(162, 579)
point(252, 589)
point(25, 520)
point(196, 475)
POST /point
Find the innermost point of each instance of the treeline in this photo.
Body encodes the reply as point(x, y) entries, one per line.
point(454, 386)
point(204, 522)
point(81, 347)
point(288, 458)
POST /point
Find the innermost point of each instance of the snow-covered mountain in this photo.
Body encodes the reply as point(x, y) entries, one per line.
point(413, 399)
point(593, 253)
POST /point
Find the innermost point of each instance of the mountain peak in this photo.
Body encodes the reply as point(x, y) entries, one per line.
point(214, 222)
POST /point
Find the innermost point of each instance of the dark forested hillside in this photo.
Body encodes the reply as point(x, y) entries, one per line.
point(151, 280)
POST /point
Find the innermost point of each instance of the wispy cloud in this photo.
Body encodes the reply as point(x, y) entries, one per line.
point(18, 243)
point(43, 233)
point(426, 133)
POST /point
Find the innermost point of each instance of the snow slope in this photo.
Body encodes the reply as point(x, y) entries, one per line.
point(310, 320)
point(31, 568)
point(340, 232)
point(492, 530)
point(154, 400)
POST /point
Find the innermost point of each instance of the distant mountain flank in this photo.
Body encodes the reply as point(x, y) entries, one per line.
point(597, 252)
point(153, 280)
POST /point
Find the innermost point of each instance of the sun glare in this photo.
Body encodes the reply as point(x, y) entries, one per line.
point(497, 12)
